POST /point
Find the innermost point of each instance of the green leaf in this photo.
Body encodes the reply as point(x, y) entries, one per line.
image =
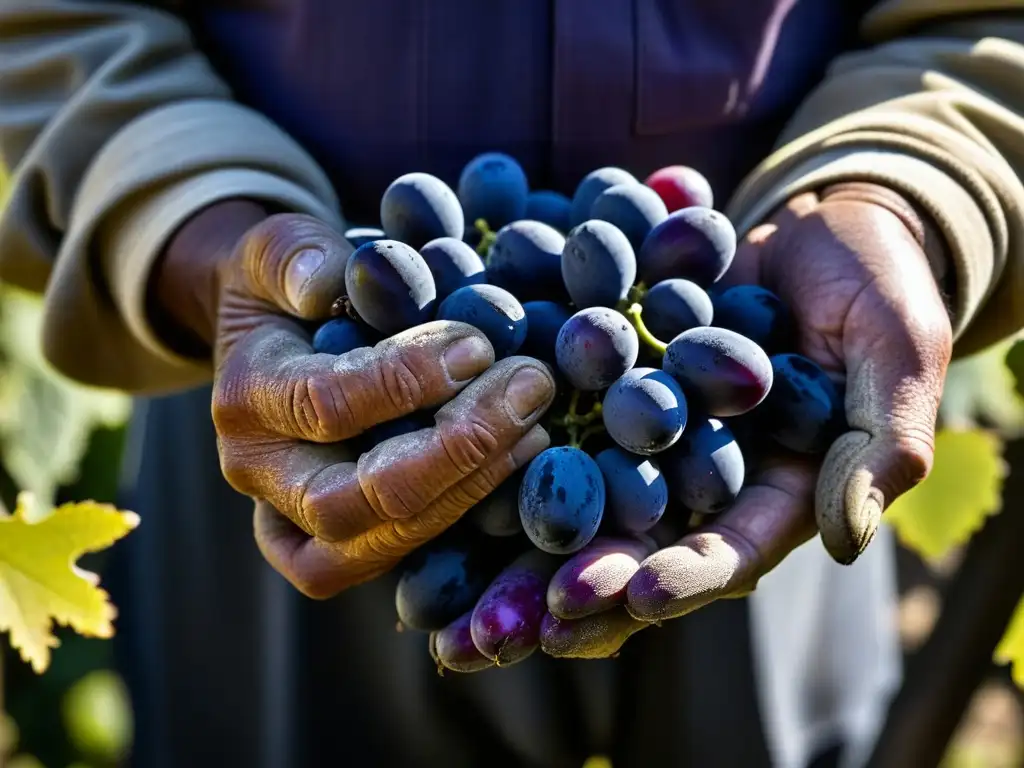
point(964, 488)
point(1011, 648)
point(982, 390)
point(1015, 363)
point(45, 418)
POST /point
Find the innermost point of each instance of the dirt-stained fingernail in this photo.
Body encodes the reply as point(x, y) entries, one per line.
point(528, 390)
point(301, 267)
point(467, 358)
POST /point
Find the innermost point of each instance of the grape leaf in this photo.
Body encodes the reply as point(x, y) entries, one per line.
point(981, 389)
point(964, 488)
point(39, 582)
point(45, 419)
point(1011, 648)
point(1015, 363)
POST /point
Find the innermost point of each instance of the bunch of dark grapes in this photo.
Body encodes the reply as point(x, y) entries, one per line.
point(663, 373)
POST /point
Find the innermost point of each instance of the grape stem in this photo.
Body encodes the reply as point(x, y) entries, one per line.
point(634, 312)
point(573, 421)
point(487, 238)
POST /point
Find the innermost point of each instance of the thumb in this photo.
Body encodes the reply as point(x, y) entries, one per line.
point(296, 263)
point(897, 342)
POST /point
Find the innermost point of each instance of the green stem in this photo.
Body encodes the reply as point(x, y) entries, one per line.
point(596, 429)
point(571, 426)
point(487, 238)
point(634, 312)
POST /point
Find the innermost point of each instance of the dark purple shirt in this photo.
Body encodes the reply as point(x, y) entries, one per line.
point(376, 89)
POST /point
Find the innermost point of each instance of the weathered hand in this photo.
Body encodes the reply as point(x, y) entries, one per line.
point(327, 518)
point(852, 265)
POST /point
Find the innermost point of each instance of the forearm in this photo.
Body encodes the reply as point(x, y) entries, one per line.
point(116, 132)
point(936, 118)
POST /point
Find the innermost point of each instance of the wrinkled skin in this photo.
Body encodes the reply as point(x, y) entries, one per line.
point(326, 518)
point(852, 265)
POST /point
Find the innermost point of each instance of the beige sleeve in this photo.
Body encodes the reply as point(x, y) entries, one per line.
point(935, 110)
point(114, 130)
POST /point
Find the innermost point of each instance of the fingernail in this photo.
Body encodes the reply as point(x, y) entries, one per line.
point(528, 390)
point(301, 267)
point(467, 358)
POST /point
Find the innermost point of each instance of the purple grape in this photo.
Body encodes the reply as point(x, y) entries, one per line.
point(493, 311)
point(697, 244)
point(756, 313)
point(442, 580)
point(505, 624)
point(633, 208)
point(390, 286)
point(362, 235)
point(497, 514)
point(452, 647)
point(705, 470)
point(592, 185)
point(599, 636)
point(544, 319)
point(595, 579)
point(598, 265)
point(454, 265)
point(595, 347)
point(636, 494)
point(675, 305)
point(417, 208)
point(803, 411)
point(644, 411)
point(552, 208)
point(561, 500)
point(526, 260)
point(493, 187)
point(724, 373)
point(340, 335)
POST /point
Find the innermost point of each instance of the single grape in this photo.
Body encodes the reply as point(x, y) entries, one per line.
point(595, 347)
point(390, 286)
point(725, 373)
point(705, 469)
point(633, 208)
point(595, 579)
point(452, 647)
point(803, 411)
point(598, 265)
point(561, 500)
point(505, 624)
point(697, 244)
point(552, 208)
point(645, 411)
point(493, 187)
point(362, 235)
point(492, 310)
point(592, 185)
point(598, 636)
point(675, 305)
point(442, 580)
point(681, 187)
point(756, 313)
point(454, 264)
point(636, 492)
point(526, 260)
point(417, 208)
point(340, 335)
point(544, 319)
point(497, 514)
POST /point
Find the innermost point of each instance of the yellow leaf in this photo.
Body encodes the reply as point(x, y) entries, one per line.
point(1011, 648)
point(964, 488)
point(39, 582)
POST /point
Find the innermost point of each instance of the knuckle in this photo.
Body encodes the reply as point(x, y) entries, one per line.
point(229, 406)
point(399, 381)
point(321, 408)
point(236, 471)
point(469, 442)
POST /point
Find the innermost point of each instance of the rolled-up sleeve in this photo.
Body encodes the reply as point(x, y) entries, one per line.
point(114, 130)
